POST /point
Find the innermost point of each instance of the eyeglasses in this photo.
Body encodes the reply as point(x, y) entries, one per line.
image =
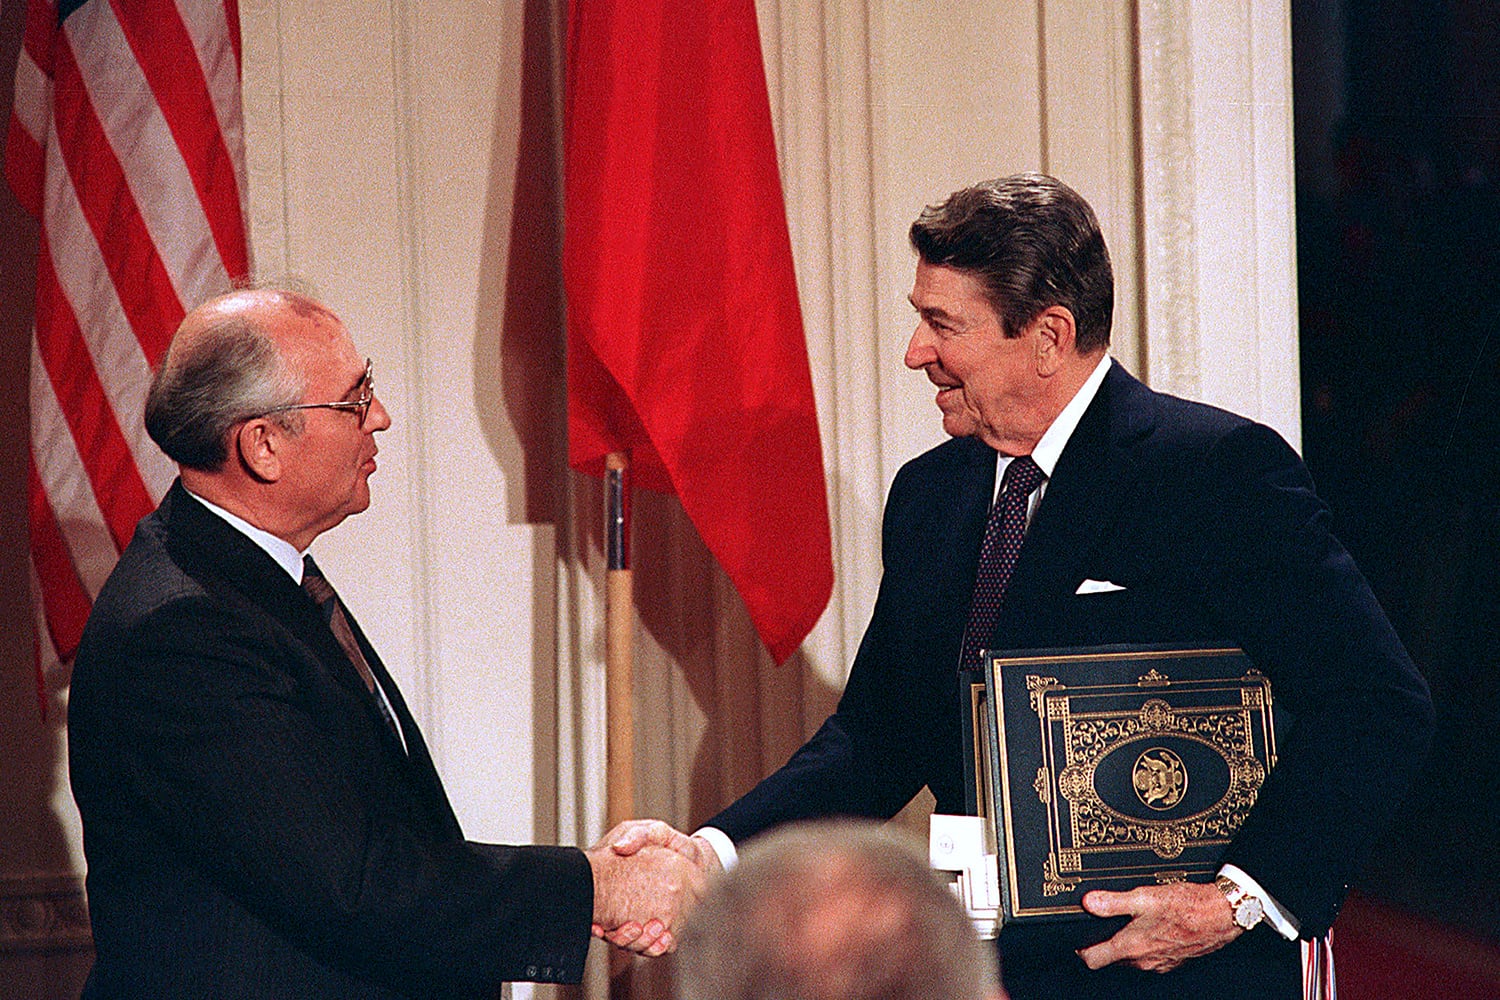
point(360, 406)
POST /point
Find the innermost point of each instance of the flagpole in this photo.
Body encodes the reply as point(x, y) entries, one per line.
point(618, 642)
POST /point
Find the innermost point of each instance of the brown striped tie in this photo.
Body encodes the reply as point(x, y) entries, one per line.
point(323, 594)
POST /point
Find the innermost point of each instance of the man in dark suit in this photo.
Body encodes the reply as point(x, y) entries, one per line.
point(1146, 519)
point(261, 816)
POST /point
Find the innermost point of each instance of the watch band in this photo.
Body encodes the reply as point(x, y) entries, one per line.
point(1247, 909)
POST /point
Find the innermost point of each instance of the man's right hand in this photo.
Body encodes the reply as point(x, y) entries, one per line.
point(647, 875)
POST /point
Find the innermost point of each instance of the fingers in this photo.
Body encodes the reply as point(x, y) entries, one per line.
point(1169, 924)
point(655, 940)
point(625, 935)
point(1111, 904)
point(1102, 954)
point(651, 939)
point(1106, 904)
point(640, 898)
point(629, 837)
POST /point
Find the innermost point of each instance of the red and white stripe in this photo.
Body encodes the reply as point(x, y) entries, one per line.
point(126, 139)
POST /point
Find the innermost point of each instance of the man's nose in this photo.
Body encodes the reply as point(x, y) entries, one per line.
point(919, 350)
point(378, 419)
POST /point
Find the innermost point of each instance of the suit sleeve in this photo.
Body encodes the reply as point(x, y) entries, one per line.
point(871, 756)
point(1361, 715)
point(211, 744)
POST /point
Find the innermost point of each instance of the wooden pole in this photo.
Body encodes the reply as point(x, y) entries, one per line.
point(619, 642)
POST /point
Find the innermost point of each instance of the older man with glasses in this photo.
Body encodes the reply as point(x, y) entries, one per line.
point(261, 815)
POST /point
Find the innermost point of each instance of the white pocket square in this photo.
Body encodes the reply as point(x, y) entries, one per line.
point(1097, 587)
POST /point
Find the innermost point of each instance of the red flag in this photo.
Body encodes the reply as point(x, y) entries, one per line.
point(685, 342)
point(126, 140)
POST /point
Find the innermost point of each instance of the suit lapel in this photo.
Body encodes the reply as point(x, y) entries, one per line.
point(964, 524)
point(221, 558)
point(1084, 496)
point(216, 554)
point(416, 747)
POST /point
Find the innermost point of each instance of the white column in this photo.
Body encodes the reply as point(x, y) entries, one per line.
point(1218, 216)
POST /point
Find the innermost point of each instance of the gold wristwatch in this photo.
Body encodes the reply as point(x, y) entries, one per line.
point(1247, 908)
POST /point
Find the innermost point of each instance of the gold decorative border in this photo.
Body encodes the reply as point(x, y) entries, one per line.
point(44, 913)
point(1049, 701)
point(1090, 737)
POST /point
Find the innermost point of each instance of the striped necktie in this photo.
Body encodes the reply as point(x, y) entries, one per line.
point(323, 594)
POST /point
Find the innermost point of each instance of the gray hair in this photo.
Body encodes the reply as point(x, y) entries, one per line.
point(227, 372)
point(827, 910)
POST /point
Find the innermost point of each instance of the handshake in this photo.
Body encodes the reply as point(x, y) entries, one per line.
point(647, 876)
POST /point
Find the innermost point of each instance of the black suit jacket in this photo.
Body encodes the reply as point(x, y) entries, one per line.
point(252, 827)
point(1210, 523)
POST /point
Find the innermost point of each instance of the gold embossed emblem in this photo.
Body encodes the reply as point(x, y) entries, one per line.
point(1160, 778)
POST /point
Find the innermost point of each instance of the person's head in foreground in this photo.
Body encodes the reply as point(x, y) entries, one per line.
point(838, 910)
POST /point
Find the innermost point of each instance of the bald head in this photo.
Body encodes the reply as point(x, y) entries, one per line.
point(270, 411)
point(229, 360)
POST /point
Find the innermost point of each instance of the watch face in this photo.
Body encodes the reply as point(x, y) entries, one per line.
point(1248, 913)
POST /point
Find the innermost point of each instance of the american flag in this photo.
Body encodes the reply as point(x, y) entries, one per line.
point(126, 141)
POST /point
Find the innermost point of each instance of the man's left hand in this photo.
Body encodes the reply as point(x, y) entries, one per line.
point(1169, 925)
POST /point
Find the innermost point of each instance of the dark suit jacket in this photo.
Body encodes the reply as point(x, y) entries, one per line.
point(1210, 523)
point(252, 826)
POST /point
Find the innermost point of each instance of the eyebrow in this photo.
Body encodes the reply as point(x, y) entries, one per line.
point(934, 311)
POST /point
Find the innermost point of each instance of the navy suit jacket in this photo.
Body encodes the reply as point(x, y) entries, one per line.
point(1210, 523)
point(252, 826)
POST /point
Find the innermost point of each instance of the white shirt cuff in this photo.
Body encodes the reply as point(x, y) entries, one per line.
point(1284, 923)
point(722, 845)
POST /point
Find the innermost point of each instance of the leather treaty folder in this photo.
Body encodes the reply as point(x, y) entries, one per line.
point(1112, 767)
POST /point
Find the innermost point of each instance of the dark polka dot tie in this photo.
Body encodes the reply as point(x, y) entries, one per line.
point(997, 556)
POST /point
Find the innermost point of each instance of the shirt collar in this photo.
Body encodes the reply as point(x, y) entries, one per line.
point(1055, 438)
point(279, 549)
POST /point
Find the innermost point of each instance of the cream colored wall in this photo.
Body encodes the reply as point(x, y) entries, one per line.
point(1218, 248)
point(403, 159)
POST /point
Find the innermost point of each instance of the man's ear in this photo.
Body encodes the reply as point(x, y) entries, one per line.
point(1054, 339)
point(258, 446)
